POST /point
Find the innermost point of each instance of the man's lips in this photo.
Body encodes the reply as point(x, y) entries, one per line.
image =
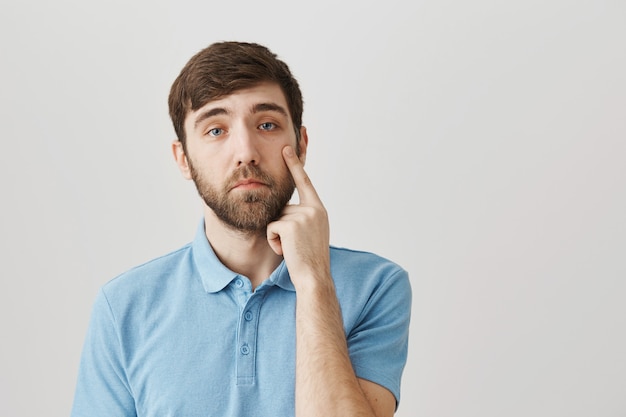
point(248, 184)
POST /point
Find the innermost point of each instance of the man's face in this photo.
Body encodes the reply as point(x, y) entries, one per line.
point(234, 156)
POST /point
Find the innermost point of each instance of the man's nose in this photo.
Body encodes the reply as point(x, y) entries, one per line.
point(246, 147)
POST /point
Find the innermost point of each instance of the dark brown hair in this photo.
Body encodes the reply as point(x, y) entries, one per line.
point(223, 68)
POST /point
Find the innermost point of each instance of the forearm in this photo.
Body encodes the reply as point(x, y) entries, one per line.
point(325, 380)
point(326, 384)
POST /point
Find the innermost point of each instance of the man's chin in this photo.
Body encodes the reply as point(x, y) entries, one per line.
point(254, 218)
point(248, 228)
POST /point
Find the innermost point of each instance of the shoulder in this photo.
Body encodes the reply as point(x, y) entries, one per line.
point(364, 278)
point(149, 277)
point(364, 267)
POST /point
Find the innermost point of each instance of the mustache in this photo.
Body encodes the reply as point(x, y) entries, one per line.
point(249, 171)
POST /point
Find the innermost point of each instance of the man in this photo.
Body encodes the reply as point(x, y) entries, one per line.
point(258, 316)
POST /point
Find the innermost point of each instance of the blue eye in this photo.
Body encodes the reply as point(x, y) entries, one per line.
point(267, 126)
point(216, 131)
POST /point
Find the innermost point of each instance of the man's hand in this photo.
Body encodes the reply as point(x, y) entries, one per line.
point(326, 384)
point(301, 235)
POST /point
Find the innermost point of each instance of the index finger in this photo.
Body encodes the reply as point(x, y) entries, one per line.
point(306, 191)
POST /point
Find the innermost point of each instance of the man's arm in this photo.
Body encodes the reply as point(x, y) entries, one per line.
point(102, 389)
point(325, 380)
point(326, 383)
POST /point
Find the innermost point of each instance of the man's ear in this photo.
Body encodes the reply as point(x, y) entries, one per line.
point(181, 159)
point(303, 144)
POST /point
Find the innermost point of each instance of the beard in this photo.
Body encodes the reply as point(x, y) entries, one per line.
point(250, 210)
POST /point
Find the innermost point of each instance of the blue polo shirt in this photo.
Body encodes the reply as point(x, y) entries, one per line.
point(184, 336)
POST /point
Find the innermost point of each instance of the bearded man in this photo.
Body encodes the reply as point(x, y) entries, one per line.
point(258, 315)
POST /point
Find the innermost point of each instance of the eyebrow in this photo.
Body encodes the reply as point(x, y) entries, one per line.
point(257, 108)
point(209, 113)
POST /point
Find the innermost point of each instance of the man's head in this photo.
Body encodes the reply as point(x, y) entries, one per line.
point(234, 107)
point(226, 67)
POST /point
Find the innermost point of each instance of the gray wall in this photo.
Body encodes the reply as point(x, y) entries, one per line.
point(480, 144)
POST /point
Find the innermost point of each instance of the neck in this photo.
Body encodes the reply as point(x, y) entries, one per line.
point(246, 253)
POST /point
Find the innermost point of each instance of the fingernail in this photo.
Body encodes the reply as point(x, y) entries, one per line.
point(288, 151)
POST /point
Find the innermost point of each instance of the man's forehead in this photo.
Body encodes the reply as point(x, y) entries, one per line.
point(248, 97)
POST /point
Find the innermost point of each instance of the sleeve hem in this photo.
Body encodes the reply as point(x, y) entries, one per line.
point(380, 379)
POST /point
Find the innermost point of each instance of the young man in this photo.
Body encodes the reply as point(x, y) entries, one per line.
point(258, 316)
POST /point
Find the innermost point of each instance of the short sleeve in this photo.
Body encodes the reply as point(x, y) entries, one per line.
point(378, 344)
point(102, 388)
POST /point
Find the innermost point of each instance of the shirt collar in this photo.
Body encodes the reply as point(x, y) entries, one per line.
point(216, 276)
point(281, 278)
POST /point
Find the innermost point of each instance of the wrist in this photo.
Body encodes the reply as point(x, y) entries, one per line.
point(314, 285)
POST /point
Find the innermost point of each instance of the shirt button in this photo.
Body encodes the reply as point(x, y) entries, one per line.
point(239, 282)
point(245, 349)
point(248, 316)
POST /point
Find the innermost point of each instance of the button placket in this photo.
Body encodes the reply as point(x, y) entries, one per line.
point(247, 340)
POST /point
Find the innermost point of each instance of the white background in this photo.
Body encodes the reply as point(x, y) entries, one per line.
point(479, 144)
